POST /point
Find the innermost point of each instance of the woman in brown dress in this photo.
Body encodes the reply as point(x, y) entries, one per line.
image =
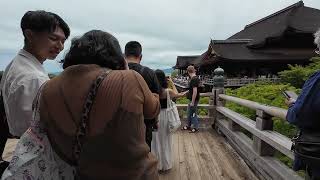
point(111, 143)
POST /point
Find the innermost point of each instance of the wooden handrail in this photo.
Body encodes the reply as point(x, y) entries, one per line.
point(208, 94)
point(271, 110)
point(259, 149)
point(205, 106)
point(276, 140)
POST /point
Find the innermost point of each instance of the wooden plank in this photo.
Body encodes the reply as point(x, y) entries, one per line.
point(265, 167)
point(182, 161)
point(211, 163)
point(276, 140)
point(202, 157)
point(271, 110)
point(190, 158)
point(240, 166)
point(223, 162)
point(263, 122)
point(184, 106)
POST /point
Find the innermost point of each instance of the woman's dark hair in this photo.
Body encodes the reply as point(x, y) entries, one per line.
point(95, 47)
point(42, 21)
point(161, 79)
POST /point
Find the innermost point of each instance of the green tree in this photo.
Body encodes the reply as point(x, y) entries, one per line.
point(174, 73)
point(297, 75)
point(264, 93)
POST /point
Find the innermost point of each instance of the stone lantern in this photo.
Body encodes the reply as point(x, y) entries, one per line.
point(218, 79)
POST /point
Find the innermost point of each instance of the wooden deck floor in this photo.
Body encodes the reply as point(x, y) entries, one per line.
point(201, 156)
point(205, 156)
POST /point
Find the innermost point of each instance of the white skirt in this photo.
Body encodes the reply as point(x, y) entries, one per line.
point(161, 145)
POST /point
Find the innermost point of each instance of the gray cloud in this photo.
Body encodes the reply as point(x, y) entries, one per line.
point(166, 28)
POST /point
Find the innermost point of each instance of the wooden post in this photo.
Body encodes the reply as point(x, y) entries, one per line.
point(263, 122)
point(211, 103)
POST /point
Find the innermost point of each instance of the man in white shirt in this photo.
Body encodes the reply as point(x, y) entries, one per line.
point(44, 36)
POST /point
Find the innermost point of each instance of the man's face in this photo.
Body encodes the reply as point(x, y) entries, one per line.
point(48, 45)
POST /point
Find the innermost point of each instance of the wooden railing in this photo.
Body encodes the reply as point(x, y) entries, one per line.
point(237, 82)
point(230, 82)
point(258, 151)
point(205, 121)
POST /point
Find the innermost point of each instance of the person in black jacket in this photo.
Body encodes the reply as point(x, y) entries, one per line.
point(133, 55)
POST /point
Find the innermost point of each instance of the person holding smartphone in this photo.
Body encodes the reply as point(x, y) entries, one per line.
point(304, 112)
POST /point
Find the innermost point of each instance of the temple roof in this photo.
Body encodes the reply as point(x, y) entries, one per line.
point(295, 18)
point(284, 36)
point(185, 61)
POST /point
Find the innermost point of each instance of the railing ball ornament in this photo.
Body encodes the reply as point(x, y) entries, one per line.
point(218, 79)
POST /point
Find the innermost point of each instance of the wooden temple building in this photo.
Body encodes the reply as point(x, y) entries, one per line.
point(262, 48)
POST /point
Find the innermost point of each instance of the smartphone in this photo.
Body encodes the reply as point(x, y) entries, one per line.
point(285, 94)
point(290, 94)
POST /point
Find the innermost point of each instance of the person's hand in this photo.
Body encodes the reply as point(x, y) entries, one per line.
point(290, 101)
point(184, 93)
point(169, 79)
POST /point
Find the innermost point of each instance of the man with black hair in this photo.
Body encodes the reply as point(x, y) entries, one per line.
point(44, 36)
point(133, 54)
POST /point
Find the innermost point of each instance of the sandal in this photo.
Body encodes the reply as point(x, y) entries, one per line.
point(194, 130)
point(185, 128)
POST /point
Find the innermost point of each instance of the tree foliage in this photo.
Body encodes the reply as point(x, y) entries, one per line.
point(174, 73)
point(269, 94)
point(297, 75)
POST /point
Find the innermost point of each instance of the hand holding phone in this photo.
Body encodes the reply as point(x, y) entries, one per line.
point(290, 97)
point(290, 94)
point(285, 94)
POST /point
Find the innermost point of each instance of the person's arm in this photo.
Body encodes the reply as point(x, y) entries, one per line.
point(194, 96)
point(173, 94)
point(172, 85)
point(300, 111)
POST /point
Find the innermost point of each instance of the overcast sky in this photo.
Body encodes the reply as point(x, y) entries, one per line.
point(165, 28)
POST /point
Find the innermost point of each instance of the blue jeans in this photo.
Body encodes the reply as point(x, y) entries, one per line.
point(192, 116)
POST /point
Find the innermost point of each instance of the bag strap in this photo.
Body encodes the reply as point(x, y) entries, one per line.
point(169, 103)
point(83, 124)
